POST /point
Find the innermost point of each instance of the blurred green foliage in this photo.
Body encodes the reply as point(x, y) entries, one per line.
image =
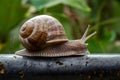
point(75, 15)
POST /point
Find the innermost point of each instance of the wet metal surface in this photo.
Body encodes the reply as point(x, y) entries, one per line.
point(90, 67)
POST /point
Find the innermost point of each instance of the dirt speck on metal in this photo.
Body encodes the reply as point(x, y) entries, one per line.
point(59, 62)
point(89, 77)
point(94, 72)
point(21, 73)
point(14, 56)
point(2, 70)
point(118, 73)
point(86, 63)
point(101, 73)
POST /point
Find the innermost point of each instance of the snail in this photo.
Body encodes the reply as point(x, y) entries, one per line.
point(44, 36)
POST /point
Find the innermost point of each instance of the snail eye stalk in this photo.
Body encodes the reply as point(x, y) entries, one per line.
point(85, 37)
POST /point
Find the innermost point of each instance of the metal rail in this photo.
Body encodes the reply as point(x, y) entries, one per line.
point(89, 67)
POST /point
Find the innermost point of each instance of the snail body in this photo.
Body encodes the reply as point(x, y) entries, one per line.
point(45, 36)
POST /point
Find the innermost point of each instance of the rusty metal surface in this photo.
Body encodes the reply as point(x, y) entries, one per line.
point(90, 67)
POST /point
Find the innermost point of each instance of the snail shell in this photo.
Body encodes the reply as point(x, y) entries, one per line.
point(41, 31)
point(45, 36)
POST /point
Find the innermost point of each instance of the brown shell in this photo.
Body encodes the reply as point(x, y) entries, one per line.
point(44, 36)
point(41, 31)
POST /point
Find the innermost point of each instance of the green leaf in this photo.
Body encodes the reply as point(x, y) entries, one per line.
point(79, 4)
point(39, 4)
point(94, 46)
point(116, 14)
point(12, 12)
point(13, 43)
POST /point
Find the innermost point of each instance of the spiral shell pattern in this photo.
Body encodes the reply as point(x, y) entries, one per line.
point(41, 31)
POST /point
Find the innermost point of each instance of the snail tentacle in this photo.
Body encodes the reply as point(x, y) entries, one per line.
point(85, 37)
point(45, 36)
